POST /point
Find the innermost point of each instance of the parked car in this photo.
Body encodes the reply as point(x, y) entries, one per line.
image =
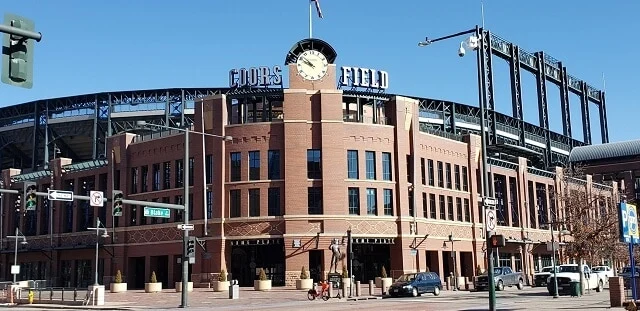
point(503, 276)
point(571, 273)
point(416, 284)
point(605, 272)
point(625, 273)
point(540, 278)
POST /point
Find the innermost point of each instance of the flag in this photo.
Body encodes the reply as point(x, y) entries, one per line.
point(317, 2)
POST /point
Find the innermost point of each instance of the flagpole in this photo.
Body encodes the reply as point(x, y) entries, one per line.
point(310, 20)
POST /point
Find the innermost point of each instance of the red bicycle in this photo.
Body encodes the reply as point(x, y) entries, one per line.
point(312, 294)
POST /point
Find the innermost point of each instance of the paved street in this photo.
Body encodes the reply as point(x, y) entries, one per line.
point(287, 299)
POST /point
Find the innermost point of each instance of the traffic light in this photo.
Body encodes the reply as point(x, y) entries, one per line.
point(17, 54)
point(116, 202)
point(30, 197)
point(497, 241)
point(191, 247)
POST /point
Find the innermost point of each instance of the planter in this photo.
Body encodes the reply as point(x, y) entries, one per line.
point(304, 284)
point(153, 287)
point(378, 281)
point(385, 283)
point(262, 285)
point(346, 282)
point(221, 286)
point(179, 287)
point(118, 287)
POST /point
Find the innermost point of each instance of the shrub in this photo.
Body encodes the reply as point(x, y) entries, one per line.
point(223, 275)
point(427, 270)
point(345, 273)
point(383, 273)
point(304, 274)
point(263, 276)
point(153, 277)
point(118, 278)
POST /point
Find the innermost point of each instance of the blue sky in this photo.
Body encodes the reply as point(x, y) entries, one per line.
point(117, 45)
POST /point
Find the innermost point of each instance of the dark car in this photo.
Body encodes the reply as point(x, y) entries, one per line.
point(626, 275)
point(415, 284)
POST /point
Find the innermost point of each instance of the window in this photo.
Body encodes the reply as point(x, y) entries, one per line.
point(254, 202)
point(388, 202)
point(409, 169)
point(431, 174)
point(314, 164)
point(156, 177)
point(352, 164)
point(432, 205)
point(274, 164)
point(209, 204)
point(467, 211)
point(532, 206)
point(456, 172)
point(386, 166)
point(274, 202)
point(440, 175)
point(254, 165)
point(179, 174)
point(465, 179)
point(515, 213)
point(443, 207)
point(425, 205)
point(134, 180)
point(372, 207)
point(423, 178)
point(236, 166)
point(208, 168)
point(412, 210)
point(234, 203)
point(448, 174)
point(354, 201)
point(192, 162)
point(370, 157)
point(459, 208)
point(314, 199)
point(450, 208)
point(167, 175)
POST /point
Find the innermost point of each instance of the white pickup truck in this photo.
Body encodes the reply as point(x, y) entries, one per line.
point(571, 273)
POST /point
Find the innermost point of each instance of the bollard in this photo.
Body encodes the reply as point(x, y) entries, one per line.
point(344, 290)
point(331, 294)
point(357, 288)
point(63, 294)
point(234, 290)
point(372, 288)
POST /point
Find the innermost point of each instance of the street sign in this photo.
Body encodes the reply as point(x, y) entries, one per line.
point(156, 212)
point(490, 202)
point(60, 195)
point(632, 217)
point(186, 226)
point(413, 252)
point(490, 219)
point(96, 198)
point(15, 269)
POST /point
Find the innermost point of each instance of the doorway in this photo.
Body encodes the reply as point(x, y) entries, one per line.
point(136, 277)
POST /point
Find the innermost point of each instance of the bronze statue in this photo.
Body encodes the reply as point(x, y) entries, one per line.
point(337, 255)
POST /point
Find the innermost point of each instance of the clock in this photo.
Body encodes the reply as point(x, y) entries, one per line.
point(312, 65)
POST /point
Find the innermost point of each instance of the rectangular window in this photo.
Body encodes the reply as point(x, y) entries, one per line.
point(354, 201)
point(274, 164)
point(134, 180)
point(423, 176)
point(450, 208)
point(372, 206)
point(314, 164)
point(179, 174)
point(314, 199)
point(412, 210)
point(352, 164)
point(500, 194)
point(443, 207)
point(532, 206)
point(425, 205)
point(515, 212)
point(144, 179)
point(254, 165)
point(209, 204)
point(167, 175)
point(370, 157)
point(456, 172)
point(234, 203)
point(459, 209)
point(386, 166)
point(409, 169)
point(432, 206)
point(448, 174)
point(388, 202)
point(440, 175)
point(274, 202)
point(254, 202)
point(156, 177)
point(179, 214)
point(236, 166)
point(192, 163)
point(431, 174)
point(465, 179)
point(467, 211)
point(208, 163)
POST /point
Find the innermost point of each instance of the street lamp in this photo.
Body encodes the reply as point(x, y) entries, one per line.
point(476, 43)
point(99, 228)
point(453, 258)
point(17, 236)
point(553, 250)
point(185, 235)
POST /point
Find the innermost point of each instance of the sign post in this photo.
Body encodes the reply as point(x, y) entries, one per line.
point(629, 234)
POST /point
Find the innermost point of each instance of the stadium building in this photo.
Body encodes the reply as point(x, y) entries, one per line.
point(302, 166)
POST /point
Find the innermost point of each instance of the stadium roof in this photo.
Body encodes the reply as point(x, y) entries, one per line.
point(605, 151)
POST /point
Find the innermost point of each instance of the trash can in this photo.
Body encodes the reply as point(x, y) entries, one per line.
point(575, 288)
point(234, 290)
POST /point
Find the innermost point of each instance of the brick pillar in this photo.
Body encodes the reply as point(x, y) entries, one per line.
point(616, 291)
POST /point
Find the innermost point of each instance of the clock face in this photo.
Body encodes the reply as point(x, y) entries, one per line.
point(312, 65)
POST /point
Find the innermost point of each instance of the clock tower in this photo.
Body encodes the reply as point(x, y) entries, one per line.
point(311, 65)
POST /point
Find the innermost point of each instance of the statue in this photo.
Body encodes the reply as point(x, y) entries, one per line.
point(337, 255)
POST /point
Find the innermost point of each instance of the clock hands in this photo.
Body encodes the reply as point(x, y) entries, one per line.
point(306, 61)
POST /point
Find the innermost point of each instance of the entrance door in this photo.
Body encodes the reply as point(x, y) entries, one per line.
point(240, 269)
point(315, 265)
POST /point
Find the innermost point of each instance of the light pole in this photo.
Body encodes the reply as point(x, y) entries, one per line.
point(17, 236)
point(99, 228)
point(553, 257)
point(185, 235)
point(453, 259)
point(476, 42)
